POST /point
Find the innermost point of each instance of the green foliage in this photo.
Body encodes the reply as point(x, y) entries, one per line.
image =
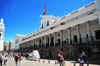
point(5, 43)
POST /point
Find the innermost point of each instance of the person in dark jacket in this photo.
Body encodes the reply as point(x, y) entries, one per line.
point(16, 60)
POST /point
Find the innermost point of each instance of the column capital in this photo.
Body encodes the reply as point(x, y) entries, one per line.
point(61, 30)
point(55, 32)
point(69, 28)
point(77, 25)
point(88, 21)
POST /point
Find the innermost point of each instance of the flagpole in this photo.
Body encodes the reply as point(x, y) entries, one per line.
point(45, 1)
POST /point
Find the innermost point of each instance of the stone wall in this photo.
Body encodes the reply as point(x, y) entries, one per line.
point(72, 51)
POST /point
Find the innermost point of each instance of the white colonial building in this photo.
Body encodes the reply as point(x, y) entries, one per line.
point(2, 30)
point(79, 30)
point(18, 38)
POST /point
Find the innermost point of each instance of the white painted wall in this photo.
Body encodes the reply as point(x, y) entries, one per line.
point(2, 29)
point(1, 44)
point(13, 44)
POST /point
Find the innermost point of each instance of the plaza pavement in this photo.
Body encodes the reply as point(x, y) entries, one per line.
point(25, 62)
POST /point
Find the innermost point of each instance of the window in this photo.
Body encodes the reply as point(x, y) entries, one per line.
point(97, 34)
point(16, 41)
point(42, 26)
point(62, 23)
point(0, 34)
point(86, 35)
point(47, 23)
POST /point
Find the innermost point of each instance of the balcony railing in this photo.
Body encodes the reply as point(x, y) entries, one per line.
point(84, 40)
point(65, 42)
point(70, 20)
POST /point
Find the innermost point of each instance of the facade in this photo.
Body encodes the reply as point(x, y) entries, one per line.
point(18, 38)
point(2, 30)
point(12, 45)
point(77, 31)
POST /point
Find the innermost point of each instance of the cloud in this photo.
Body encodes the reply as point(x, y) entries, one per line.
point(13, 9)
point(41, 16)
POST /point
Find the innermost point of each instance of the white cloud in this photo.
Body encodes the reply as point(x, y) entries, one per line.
point(13, 9)
point(41, 16)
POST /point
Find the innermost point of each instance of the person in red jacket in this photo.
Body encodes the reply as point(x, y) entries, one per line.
point(20, 60)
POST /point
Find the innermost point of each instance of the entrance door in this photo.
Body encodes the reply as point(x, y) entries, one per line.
point(52, 41)
point(75, 38)
point(97, 34)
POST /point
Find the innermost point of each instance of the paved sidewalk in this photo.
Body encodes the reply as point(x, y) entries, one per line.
point(25, 62)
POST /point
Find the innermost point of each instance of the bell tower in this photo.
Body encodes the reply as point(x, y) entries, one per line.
point(2, 30)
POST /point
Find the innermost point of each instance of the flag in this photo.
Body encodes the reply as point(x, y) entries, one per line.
point(44, 12)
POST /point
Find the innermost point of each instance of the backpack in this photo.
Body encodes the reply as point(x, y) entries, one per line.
point(0, 59)
point(58, 58)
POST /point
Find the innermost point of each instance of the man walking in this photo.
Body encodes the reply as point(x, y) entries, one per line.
point(83, 55)
point(61, 62)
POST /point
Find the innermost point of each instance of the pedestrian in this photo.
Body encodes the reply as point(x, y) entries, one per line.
point(1, 59)
point(20, 60)
point(58, 58)
point(16, 60)
point(81, 61)
point(43, 56)
point(83, 55)
point(57, 43)
point(61, 62)
point(5, 60)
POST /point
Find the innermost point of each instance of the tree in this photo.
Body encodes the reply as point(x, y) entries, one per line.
point(5, 43)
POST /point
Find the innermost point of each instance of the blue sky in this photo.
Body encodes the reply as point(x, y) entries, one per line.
point(23, 16)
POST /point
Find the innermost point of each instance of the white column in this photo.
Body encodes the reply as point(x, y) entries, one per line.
point(89, 31)
point(99, 19)
point(61, 37)
point(49, 40)
point(78, 33)
point(69, 35)
point(98, 5)
point(98, 8)
point(45, 40)
point(35, 43)
point(54, 38)
point(41, 41)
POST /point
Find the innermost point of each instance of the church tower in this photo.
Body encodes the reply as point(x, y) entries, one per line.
point(2, 30)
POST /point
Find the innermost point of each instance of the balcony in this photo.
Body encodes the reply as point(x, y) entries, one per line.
point(80, 16)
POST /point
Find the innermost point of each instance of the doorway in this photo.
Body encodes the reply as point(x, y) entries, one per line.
point(97, 34)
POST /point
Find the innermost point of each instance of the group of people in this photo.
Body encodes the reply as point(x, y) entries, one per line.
point(18, 58)
point(82, 58)
point(60, 59)
point(3, 59)
point(5, 56)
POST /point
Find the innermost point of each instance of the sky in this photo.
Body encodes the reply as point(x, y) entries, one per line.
point(24, 16)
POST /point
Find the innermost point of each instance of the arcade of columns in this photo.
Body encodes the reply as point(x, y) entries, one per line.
point(34, 42)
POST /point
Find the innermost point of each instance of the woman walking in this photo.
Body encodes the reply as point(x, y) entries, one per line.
point(20, 60)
